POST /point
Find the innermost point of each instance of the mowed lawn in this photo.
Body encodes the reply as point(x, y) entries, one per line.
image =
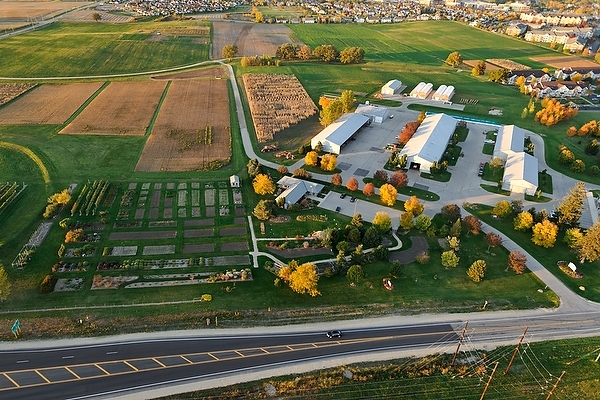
point(82, 49)
point(423, 43)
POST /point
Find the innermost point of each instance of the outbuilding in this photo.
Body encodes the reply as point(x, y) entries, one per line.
point(338, 134)
point(376, 113)
point(521, 173)
point(295, 189)
point(429, 142)
point(234, 181)
point(392, 87)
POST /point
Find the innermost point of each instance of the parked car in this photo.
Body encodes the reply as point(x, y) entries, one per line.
point(481, 168)
point(334, 334)
point(352, 199)
point(338, 209)
point(343, 195)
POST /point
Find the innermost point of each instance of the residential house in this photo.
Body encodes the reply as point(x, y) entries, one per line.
point(295, 189)
point(559, 89)
point(536, 75)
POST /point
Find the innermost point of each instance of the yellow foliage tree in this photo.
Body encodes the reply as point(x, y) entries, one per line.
point(544, 233)
point(328, 162)
point(388, 194)
point(413, 206)
point(63, 197)
point(262, 185)
point(311, 158)
point(302, 279)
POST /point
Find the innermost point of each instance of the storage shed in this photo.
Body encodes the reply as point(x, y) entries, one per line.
point(376, 113)
point(392, 87)
point(336, 135)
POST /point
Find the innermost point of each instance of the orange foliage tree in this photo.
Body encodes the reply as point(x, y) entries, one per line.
point(352, 184)
point(408, 131)
point(369, 189)
point(553, 112)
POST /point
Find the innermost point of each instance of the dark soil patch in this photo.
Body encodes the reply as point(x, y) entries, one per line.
point(419, 245)
point(232, 231)
point(155, 199)
point(199, 222)
point(231, 260)
point(139, 213)
point(194, 233)
point(198, 248)
point(239, 221)
point(153, 214)
point(234, 246)
point(142, 235)
point(168, 213)
point(240, 211)
point(210, 211)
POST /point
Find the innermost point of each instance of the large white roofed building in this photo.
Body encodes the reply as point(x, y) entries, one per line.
point(429, 142)
point(521, 173)
point(510, 140)
point(336, 135)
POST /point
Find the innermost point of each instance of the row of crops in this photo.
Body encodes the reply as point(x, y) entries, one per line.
point(8, 192)
point(90, 197)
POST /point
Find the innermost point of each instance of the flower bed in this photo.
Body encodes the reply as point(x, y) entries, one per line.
point(69, 284)
point(223, 197)
point(155, 224)
point(79, 266)
point(110, 282)
point(128, 224)
point(153, 264)
point(195, 198)
point(209, 197)
point(564, 267)
point(86, 251)
point(182, 198)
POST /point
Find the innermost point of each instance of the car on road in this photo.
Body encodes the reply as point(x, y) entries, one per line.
point(352, 199)
point(334, 334)
point(338, 209)
point(343, 195)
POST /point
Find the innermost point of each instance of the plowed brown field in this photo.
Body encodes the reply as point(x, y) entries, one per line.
point(566, 61)
point(179, 141)
point(214, 72)
point(48, 104)
point(123, 108)
point(36, 9)
point(251, 39)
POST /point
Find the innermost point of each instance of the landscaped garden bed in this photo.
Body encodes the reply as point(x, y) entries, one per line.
point(110, 282)
point(63, 266)
point(69, 284)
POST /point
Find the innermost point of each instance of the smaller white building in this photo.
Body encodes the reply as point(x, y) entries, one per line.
point(234, 181)
point(392, 87)
point(375, 113)
point(510, 140)
point(295, 189)
point(438, 93)
point(521, 173)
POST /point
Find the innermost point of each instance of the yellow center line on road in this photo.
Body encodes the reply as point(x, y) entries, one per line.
point(126, 363)
point(74, 374)
point(159, 363)
point(42, 376)
point(102, 369)
point(11, 379)
point(186, 359)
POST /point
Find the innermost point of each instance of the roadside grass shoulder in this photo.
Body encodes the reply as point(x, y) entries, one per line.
point(548, 259)
point(420, 379)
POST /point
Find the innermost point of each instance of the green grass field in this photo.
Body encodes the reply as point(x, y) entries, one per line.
point(83, 49)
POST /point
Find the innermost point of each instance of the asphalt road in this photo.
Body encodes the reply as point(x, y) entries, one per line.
point(97, 370)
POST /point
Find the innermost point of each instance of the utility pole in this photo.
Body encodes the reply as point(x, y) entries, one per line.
point(462, 335)
point(516, 350)
point(487, 385)
point(555, 385)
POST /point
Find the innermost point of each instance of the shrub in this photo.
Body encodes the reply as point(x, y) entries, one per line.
point(423, 258)
point(47, 285)
point(206, 297)
point(477, 271)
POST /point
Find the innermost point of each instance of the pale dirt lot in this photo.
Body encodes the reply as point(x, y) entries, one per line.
point(188, 109)
point(566, 61)
point(35, 9)
point(251, 39)
point(123, 108)
point(86, 16)
point(488, 66)
point(48, 104)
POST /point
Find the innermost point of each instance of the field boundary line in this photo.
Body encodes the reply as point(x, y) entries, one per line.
point(104, 306)
point(86, 103)
point(29, 153)
point(158, 107)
